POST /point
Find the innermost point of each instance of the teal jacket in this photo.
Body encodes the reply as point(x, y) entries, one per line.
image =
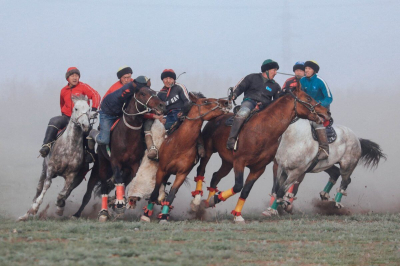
point(317, 88)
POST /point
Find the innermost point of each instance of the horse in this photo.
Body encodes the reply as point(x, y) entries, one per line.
point(256, 150)
point(65, 159)
point(127, 148)
point(296, 153)
point(178, 152)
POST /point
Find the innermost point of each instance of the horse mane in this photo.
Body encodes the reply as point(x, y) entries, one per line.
point(79, 97)
point(198, 94)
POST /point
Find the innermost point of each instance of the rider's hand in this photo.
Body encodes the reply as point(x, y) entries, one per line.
point(93, 114)
point(234, 96)
point(160, 118)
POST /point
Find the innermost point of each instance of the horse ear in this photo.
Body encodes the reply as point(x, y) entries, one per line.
point(193, 97)
point(148, 83)
point(298, 86)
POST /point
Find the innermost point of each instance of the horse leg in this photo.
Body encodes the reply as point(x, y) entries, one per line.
point(345, 170)
point(119, 205)
point(94, 178)
point(334, 173)
point(38, 201)
point(39, 187)
point(274, 186)
point(71, 182)
point(294, 189)
point(280, 176)
point(223, 171)
point(166, 205)
point(199, 179)
point(251, 179)
point(238, 168)
point(283, 194)
point(104, 167)
point(162, 195)
point(148, 210)
point(128, 180)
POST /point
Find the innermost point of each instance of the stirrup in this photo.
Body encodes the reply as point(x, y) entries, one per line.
point(153, 147)
point(91, 155)
point(320, 149)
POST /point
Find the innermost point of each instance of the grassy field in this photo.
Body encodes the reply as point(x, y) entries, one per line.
point(372, 239)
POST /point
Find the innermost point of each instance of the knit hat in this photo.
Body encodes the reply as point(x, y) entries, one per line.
point(269, 64)
point(72, 70)
point(314, 65)
point(168, 73)
point(123, 71)
point(299, 65)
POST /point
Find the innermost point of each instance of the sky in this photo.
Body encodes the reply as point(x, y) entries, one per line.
point(216, 43)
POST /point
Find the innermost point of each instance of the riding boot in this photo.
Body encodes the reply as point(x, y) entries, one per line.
point(50, 136)
point(152, 153)
point(323, 144)
point(90, 153)
point(237, 124)
point(93, 135)
point(200, 147)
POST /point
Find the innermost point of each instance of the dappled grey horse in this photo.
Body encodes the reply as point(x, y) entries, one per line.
point(296, 152)
point(65, 159)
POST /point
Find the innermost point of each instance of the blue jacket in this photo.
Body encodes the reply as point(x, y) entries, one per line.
point(317, 88)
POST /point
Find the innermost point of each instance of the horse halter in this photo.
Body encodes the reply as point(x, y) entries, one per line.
point(307, 105)
point(146, 110)
point(218, 106)
point(76, 119)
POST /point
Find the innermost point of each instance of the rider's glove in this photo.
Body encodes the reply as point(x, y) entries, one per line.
point(93, 114)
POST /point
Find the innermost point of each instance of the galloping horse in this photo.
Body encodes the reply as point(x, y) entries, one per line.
point(127, 149)
point(178, 151)
point(296, 152)
point(257, 145)
point(65, 159)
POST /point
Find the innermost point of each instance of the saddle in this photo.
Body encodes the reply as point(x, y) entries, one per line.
point(330, 132)
point(256, 110)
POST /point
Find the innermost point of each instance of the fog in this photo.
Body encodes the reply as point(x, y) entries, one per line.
point(216, 43)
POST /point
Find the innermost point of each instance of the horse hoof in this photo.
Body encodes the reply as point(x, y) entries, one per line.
point(289, 208)
point(194, 207)
point(131, 203)
point(103, 218)
point(204, 204)
point(74, 218)
point(338, 205)
point(239, 220)
point(60, 211)
point(163, 221)
point(23, 218)
point(324, 195)
point(144, 218)
point(211, 202)
point(270, 212)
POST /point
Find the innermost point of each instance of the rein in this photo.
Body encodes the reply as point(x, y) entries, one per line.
point(218, 106)
point(307, 105)
point(146, 110)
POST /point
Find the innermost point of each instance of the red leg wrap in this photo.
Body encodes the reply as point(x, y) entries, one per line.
point(196, 192)
point(199, 178)
point(212, 189)
point(235, 213)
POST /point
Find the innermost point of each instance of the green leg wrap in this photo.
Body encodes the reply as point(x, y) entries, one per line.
point(274, 205)
point(165, 209)
point(328, 187)
point(150, 206)
point(338, 197)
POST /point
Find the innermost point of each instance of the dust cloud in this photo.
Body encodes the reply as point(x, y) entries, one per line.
point(26, 107)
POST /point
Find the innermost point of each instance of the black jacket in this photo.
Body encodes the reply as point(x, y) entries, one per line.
point(175, 97)
point(113, 102)
point(255, 87)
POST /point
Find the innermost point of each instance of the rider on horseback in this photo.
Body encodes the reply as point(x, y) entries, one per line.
point(124, 75)
point(317, 88)
point(258, 88)
point(111, 109)
point(298, 70)
point(59, 122)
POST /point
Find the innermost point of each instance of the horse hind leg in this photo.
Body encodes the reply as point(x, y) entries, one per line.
point(90, 186)
point(334, 173)
point(345, 171)
point(71, 182)
point(39, 187)
point(199, 179)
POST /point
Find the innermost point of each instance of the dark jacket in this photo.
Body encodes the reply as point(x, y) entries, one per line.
point(255, 87)
point(113, 102)
point(175, 97)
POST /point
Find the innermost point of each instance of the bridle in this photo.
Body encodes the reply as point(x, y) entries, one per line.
point(307, 105)
point(76, 119)
point(218, 106)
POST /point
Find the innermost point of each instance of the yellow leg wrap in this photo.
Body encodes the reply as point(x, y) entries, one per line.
point(226, 194)
point(210, 194)
point(239, 205)
point(199, 185)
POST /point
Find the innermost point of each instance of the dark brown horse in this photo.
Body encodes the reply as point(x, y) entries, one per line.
point(178, 152)
point(257, 145)
point(127, 149)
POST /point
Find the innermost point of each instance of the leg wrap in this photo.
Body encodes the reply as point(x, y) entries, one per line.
point(239, 206)
point(104, 202)
point(271, 201)
point(165, 208)
point(199, 186)
point(274, 205)
point(211, 192)
point(120, 189)
point(226, 194)
point(148, 210)
point(290, 194)
point(328, 186)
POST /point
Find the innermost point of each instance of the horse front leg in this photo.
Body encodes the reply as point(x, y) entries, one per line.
point(199, 179)
point(120, 203)
point(167, 204)
point(148, 210)
point(334, 173)
point(71, 182)
point(94, 178)
point(38, 201)
point(280, 177)
point(39, 187)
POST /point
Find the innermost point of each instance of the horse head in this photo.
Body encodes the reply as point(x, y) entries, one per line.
point(147, 99)
point(206, 108)
point(306, 107)
point(80, 113)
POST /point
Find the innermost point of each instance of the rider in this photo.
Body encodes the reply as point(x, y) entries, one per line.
point(57, 123)
point(111, 109)
point(298, 70)
point(175, 96)
point(258, 88)
point(124, 75)
point(317, 88)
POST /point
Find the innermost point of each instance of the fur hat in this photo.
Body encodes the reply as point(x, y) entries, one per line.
point(72, 70)
point(314, 65)
point(168, 73)
point(123, 71)
point(269, 64)
point(299, 65)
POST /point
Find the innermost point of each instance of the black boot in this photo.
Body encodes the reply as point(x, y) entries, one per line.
point(49, 138)
point(90, 153)
point(237, 124)
point(323, 144)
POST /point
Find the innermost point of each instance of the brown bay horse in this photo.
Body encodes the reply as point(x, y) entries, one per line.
point(127, 149)
point(256, 148)
point(178, 152)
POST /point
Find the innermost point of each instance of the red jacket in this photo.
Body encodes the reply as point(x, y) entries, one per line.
point(290, 83)
point(66, 103)
point(117, 85)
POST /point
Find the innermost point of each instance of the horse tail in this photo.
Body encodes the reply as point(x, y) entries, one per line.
point(371, 153)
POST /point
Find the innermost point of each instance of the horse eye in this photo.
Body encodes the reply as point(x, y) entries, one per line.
point(76, 109)
point(308, 98)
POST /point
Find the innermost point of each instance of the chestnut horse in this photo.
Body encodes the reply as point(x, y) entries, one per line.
point(178, 151)
point(257, 145)
point(127, 149)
